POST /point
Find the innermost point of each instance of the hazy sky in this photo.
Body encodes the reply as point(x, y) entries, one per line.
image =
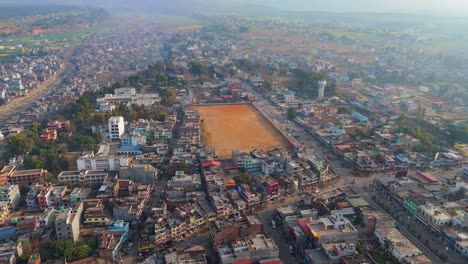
point(439, 7)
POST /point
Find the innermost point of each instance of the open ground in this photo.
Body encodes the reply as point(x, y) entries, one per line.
point(237, 127)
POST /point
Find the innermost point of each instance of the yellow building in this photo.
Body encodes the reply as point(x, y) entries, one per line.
point(462, 148)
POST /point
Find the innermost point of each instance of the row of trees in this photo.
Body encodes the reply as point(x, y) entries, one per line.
point(56, 249)
point(426, 144)
point(433, 136)
point(36, 154)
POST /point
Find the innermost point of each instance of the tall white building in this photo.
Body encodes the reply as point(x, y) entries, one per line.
point(321, 90)
point(116, 127)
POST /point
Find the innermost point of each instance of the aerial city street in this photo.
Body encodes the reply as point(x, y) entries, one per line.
point(233, 132)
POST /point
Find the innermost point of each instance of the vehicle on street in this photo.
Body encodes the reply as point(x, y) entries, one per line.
point(291, 250)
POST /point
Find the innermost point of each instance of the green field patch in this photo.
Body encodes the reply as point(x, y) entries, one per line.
point(53, 37)
point(189, 27)
point(350, 35)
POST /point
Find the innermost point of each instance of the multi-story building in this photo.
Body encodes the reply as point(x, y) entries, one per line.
point(225, 232)
point(116, 127)
point(105, 106)
point(112, 239)
point(47, 219)
point(130, 199)
point(127, 96)
point(67, 223)
point(397, 244)
point(433, 217)
point(221, 205)
point(321, 88)
point(162, 234)
point(95, 214)
point(332, 229)
point(83, 176)
point(10, 196)
point(27, 176)
point(359, 117)
point(62, 125)
point(31, 199)
point(49, 135)
point(55, 196)
point(139, 173)
point(252, 249)
point(43, 196)
point(5, 173)
point(293, 168)
point(269, 185)
point(245, 161)
point(133, 140)
point(185, 181)
point(102, 160)
point(9, 252)
point(78, 195)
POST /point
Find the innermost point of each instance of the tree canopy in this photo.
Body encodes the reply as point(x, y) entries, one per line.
point(292, 113)
point(168, 97)
point(67, 248)
point(243, 178)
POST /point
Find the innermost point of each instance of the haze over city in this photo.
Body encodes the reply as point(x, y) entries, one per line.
point(234, 132)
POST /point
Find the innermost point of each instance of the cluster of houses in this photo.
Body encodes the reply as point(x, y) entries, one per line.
point(384, 150)
point(294, 171)
point(74, 213)
point(105, 53)
point(427, 199)
point(146, 140)
point(332, 237)
point(26, 74)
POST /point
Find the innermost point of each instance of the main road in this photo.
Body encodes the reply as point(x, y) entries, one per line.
point(21, 104)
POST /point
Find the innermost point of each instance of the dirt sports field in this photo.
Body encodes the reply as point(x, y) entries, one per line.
point(241, 127)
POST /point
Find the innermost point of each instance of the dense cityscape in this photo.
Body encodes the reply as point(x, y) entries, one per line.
point(232, 139)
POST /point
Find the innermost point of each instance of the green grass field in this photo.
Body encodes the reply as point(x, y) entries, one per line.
point(72, 38)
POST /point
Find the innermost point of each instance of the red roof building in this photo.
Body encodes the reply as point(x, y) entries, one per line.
point(425, 177)
point(271, 261)
point(49, 135)
point(211, 163)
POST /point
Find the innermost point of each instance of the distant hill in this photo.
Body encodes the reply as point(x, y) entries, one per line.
point(438, 7)
point(9, 11)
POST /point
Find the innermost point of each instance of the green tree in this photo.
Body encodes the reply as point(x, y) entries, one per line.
point(358, 133)
point(267, 85)
point(169, 96)
point(243, 178)
point(19, 144)
point(292, 113)
point(24, 189)
point(183, 167)
point(81, 142)
point(197, 68)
